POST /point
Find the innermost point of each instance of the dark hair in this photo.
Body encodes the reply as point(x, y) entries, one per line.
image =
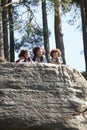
point(35, 49)
point(22, 53)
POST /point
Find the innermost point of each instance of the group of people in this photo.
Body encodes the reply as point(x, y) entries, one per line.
point(39, 56)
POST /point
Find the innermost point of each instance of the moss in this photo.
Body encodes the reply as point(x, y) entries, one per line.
point(2, 59)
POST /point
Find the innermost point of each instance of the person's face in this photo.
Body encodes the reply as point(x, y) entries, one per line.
point(39, 53)
point(27, 55)
point(55, 55)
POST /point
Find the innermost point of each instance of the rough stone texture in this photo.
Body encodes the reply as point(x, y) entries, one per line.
point(42, 97)
point(85, 75)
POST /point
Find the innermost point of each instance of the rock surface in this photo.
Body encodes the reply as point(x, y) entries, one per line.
point(42, 97)
point(84, 75)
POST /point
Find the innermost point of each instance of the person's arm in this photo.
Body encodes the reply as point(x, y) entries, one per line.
point(44, 59)
point(60, 60)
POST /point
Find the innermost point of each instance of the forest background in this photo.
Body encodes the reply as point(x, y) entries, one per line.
point(27, 18)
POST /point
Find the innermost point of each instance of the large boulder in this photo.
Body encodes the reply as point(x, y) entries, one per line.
point(38, 96)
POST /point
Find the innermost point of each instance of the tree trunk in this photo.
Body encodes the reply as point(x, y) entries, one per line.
point(83, 5)
point(58, 28)
point(5, 29)
point(45, 30)
point(1, 34)
point(11, 30)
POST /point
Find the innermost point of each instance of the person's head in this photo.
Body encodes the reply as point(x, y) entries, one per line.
point(24, 53)
point(55, 53)
point(27, 54)
point(38, 51)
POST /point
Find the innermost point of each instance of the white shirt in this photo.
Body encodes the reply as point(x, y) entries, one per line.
point(39, 60)
point(59, 60)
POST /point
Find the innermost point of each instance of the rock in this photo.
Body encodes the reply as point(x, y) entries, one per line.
point(85, 75)
point(38, 96)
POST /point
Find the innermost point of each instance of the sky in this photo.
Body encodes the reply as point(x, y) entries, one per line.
point(72, 37)
point(73, 44)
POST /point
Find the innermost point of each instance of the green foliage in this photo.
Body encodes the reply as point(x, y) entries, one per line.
point(31, 33)
point(31, 37)
point(76, 1)
point(25, 23)
point(66, 5)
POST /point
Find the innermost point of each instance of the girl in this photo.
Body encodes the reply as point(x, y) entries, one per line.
point(56, 56)
point(39, 55)
point(24, 56)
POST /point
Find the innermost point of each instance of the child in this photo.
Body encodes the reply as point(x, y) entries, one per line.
point(39, 55)
point(56, 56)
point(24, 56)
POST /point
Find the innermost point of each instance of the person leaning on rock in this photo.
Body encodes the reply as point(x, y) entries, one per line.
point(24, 56)
point(56, 56)
point(39, 55)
